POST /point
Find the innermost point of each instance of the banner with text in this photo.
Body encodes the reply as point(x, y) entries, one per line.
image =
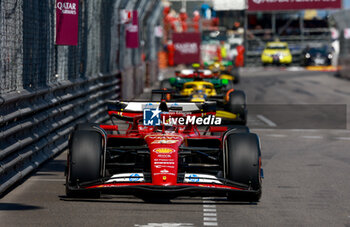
point(187, 47)
point(132, 32)
point(273, 5)
point(67, 12)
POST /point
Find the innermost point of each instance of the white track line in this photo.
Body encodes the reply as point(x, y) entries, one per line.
point(210, 219)
point(209, 206)
point(313, 137)
point(301, 130)
point(164, 225)
point(209, 212)
point(45, 179)
point(304, 130)
point(342, 138)
point(277, 135)
point(266, 120)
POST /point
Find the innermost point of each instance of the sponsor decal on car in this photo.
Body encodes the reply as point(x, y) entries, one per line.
point(163, 160)
point(193, 178)
point(164, 150)
point(164, 166)
point(134, 177)
point(172, 174)
point(164, 172)
point(201, 178)
point(164, 156)
point(164, 141)
point(164, 163)
point(164, 137)
point(126, 177)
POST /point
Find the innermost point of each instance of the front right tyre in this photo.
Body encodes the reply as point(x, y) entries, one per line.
point(243, 162)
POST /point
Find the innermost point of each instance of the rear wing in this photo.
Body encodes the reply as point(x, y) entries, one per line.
point(193, 73)
point(139, 106)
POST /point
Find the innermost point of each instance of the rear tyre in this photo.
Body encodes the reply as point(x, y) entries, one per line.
point(87, 127)
point(243, 164)
point(228, 86)
point(165, 84)
point(156, 97)
point(237, 105)
point(235, 73)
point(237, 79)
point(84, 161)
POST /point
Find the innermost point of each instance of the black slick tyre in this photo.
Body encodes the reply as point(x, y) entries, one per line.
point(233, 129)
point(243, 162)
point(84, 161)
point(227, 86)
point(237, 105)
point(235, 73)
point(87, 127)
point(165, 84)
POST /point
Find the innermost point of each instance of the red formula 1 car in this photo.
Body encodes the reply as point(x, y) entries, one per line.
point(153, 155)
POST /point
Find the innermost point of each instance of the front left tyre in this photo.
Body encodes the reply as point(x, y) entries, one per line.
point(85, 158)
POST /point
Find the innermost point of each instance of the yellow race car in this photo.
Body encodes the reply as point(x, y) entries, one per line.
point(199, 90)
point(231, 103)
point(225, 70)
point(276, 53)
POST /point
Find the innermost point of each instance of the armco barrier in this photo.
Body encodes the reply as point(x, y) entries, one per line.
point(45, 89)
point(35, 125)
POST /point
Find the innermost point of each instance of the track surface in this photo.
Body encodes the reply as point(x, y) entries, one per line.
point(306, 172)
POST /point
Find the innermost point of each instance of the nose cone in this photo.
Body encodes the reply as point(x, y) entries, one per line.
point(164, 157)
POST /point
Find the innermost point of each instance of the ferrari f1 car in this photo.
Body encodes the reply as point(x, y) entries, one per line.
point(170, 159)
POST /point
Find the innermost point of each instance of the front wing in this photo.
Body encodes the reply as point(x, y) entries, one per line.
point(208, 186)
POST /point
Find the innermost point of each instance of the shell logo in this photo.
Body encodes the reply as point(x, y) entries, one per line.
point(164, 150)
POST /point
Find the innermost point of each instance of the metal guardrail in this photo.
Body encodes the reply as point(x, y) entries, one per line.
point(35, 125)
point(45, 89)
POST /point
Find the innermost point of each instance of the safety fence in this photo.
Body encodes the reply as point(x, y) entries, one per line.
point(289, 26)
point(45, 89)
point(256, 43)
point(341, 22)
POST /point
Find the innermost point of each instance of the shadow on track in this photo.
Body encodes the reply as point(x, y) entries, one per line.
point(159, 200)
point(17, 206)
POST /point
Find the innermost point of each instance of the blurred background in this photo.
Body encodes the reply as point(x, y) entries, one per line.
point(250, 26)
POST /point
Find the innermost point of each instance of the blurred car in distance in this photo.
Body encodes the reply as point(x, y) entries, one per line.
point(276, 53)
point(316, 56)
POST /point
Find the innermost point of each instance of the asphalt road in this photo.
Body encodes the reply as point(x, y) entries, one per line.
point(306, 171)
